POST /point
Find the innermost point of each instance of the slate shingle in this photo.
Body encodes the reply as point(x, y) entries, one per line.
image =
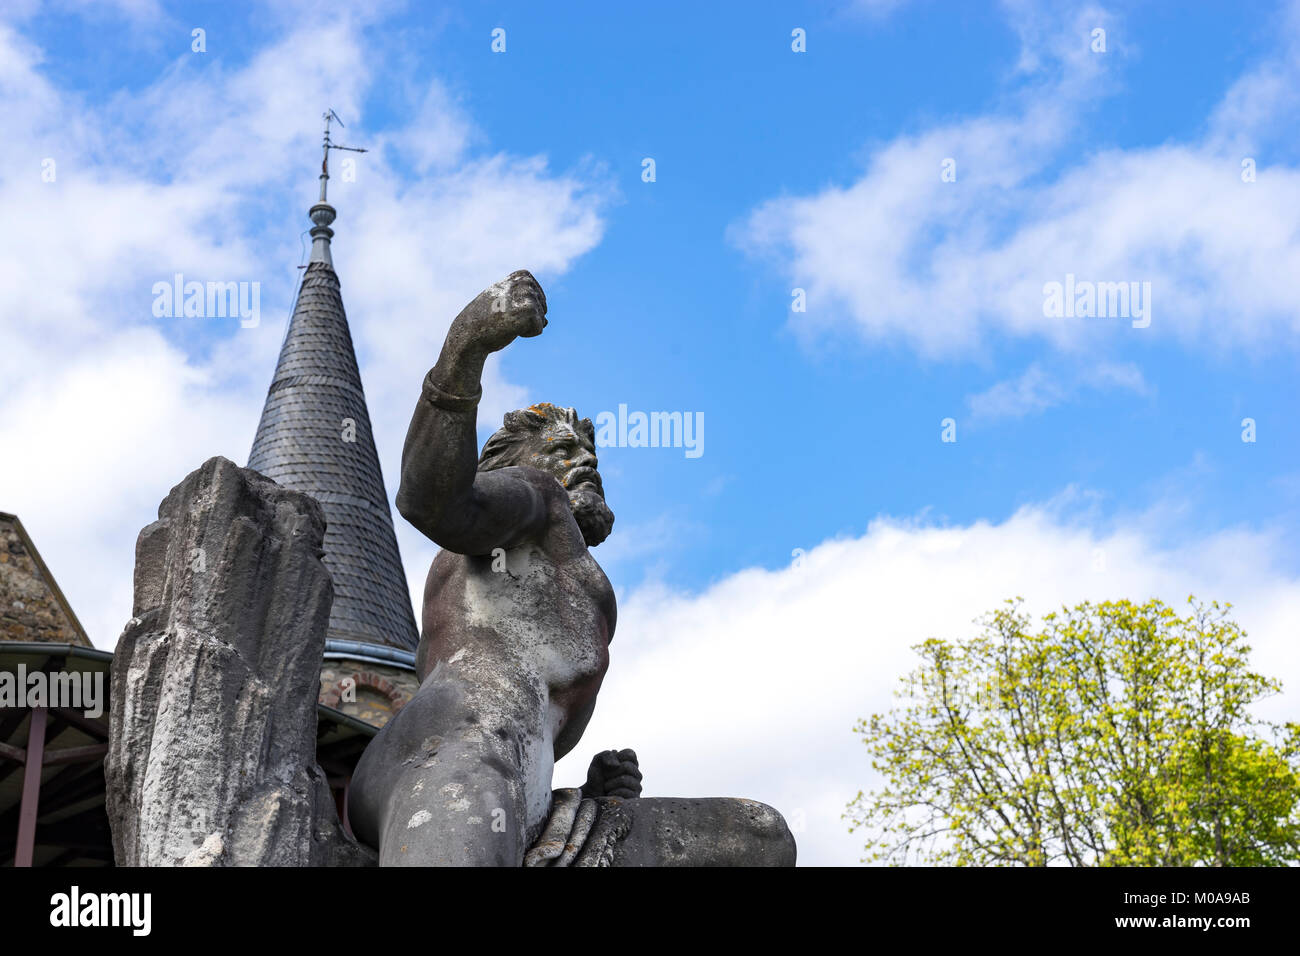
point(300, 443)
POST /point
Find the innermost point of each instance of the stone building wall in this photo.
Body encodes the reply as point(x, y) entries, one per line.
point(32, 608)
point(365, 690)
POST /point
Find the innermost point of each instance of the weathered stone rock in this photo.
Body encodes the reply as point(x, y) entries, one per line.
point(684, 831)
point(606, 831)
point(214, 683)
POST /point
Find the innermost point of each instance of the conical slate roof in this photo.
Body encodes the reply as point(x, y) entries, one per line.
point(315, 437)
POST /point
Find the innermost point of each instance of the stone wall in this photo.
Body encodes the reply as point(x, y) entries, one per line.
point(31, 606)
point(370, 692)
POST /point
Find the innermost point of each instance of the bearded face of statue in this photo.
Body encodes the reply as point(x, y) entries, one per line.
point(554, 440)
point(569, 455)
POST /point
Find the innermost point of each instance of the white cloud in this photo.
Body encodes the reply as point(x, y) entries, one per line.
point(104, 406)
point(944, 266)
point(1261, 108)
point(752, 687)
point(439, 133)
point(1038, 389)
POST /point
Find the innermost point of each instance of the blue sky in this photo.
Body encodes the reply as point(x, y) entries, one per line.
point(1093, 458)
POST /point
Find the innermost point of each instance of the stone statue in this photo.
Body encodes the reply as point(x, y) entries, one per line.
point(517, 621)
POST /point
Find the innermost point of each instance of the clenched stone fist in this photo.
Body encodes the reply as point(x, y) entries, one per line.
point(613, 773)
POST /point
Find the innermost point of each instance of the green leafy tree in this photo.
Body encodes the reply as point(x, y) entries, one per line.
point(1115, 734)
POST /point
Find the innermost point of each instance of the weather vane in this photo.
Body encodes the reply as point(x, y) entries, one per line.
point(322, 214)
point(329, 115)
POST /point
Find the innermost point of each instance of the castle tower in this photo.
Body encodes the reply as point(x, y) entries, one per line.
point(315, 436)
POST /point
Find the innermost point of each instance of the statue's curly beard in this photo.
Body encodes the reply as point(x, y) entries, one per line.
point(594, 518)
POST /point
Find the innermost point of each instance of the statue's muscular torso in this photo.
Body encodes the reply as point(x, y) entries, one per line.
point(510, 661)
point(540, 615)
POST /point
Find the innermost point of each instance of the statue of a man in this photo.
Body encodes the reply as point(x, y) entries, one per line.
point(518, 615)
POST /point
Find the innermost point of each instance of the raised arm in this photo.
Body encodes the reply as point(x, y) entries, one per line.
point(442, 492)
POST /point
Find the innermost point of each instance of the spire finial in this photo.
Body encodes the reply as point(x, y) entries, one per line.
point(322, 214)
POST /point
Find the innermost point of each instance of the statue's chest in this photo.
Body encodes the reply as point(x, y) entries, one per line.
point(526, 593)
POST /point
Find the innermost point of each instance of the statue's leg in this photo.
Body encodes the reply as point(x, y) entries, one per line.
point(431, 790)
